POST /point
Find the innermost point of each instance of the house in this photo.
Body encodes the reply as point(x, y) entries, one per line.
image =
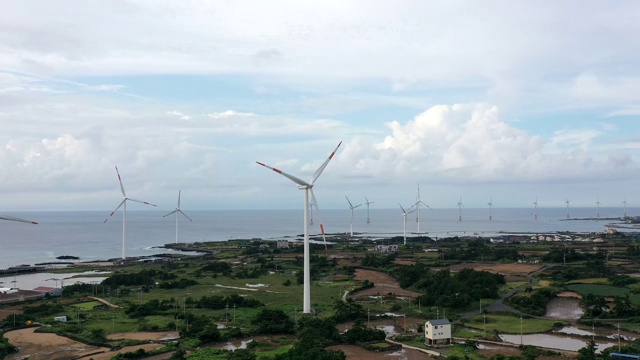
point(387, 249)
point(49, 290)
point(437, 332)
point(282, 244)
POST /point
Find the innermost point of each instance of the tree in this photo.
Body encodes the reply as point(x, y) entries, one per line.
point(269, 321)
point(348, 310)
point(588, 352)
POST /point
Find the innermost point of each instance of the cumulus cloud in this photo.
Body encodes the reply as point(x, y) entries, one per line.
point(473, 143)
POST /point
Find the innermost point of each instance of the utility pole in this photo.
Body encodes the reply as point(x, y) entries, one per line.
point(520, 330)
point(369, 321)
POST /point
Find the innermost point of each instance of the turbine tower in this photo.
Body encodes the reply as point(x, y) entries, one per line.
point(307, 186)
point(178, 211)
point(124, 212)
point(598, 205)
point(567, 201)
point(11, 218)
point(404, 219)
point(352, 208)
point(368, 203)
point(311, 213)
point(417, 206)
point(490, 203)
point(625, 208)
point(460, 206)
point(535, 209)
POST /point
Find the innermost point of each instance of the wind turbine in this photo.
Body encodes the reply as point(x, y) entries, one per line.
point(124, 212)
point(490, 203)
point(567, 201)
point(368, 203)
point(417, 205)
point(11, 218)
point(460, 206)
point(535, 209)
point(307, 186)
point(178, 211)
point(311, 213)
point(352, 208)
point(598, 205)
point(625, 208)
point(404, 218)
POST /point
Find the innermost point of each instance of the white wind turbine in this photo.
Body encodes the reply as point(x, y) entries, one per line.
point(625, 208)
point(490, 203)
point(567, 201)
point(535, 209)
point(11, 218)
point(404, 219)
point(417, 206)
point(598, 205)
point(307, 186)
point(368, 203)
point(460, 206)
point(352, 208)
point(178, 211)
point(311, 213)
point(124, 212)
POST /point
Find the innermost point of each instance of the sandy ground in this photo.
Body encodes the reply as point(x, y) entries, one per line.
point(383, 284)
point(491, 350)
point(53, 347)
point(162, 335)
point(38, 346)
point(505, 269)
point(357, 353)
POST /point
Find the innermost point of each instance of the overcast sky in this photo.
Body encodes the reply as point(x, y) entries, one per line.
point(502, 100)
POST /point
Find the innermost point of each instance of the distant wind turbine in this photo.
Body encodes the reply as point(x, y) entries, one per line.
point(417, 206)
point(178, 211)
point(124, 212)
point(567, 201)
point(625, 208)
point(307, 186)
point(352, 207)
point(490, 203)
point(368, 203)
point(404, 219)
point(535, 209)
point(460, 206)
point(311, 213)
point(11, 218)
point(598, 205)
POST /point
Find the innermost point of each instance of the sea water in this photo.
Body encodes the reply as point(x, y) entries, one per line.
point(85, 235)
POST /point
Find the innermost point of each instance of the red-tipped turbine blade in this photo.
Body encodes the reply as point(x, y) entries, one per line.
point(11, 218)
point(120, 180)
point(290, 177)
point(114, 211)
point(315, 201)
point(142, 202)
point(185, 215)
point(324, 165)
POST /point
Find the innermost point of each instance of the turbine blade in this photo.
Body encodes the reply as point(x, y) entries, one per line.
point(290, 177)
point(350, 205)
point(185, 215)
point(403, 210)
point(120, 180)
point(321, 168)
point(142, 202)
point(179, 199)
point(357, 206)
point(11, 218)
point(114, 211)
point(313, 196)
point(173, 212)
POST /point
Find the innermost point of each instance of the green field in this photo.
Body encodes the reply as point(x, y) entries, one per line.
point(598, 289)
point(508, 324)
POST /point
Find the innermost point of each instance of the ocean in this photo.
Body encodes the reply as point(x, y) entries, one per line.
point(83, 234)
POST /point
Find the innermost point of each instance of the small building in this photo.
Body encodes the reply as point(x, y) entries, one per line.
point(60, 318)
point(437, 332)
point(387, 249)
point(49, 290)
point(282, 244)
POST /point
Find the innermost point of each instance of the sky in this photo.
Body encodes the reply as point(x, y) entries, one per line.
point(501, 101)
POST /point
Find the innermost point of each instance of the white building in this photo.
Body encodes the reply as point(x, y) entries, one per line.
point(437, 332)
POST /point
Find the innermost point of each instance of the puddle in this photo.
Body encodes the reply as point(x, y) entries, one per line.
point(236, 344)
point(551, 342)
point(564, 308)
point(388, 329)
point(256, 285)
point(572, 330)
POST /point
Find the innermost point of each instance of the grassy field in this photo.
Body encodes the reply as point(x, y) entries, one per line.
point(598, 289)
point(589, 281)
